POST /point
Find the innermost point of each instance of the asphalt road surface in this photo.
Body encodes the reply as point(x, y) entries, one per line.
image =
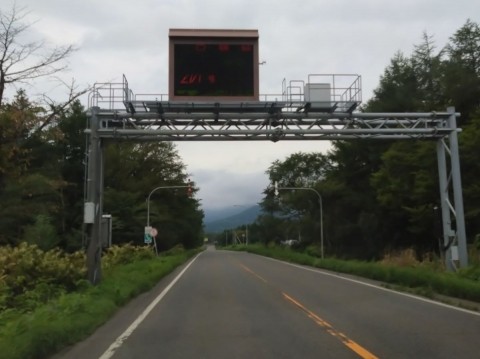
point(238, 305)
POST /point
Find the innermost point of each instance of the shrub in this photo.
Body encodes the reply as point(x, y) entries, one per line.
point(403, 258)
point(401, 269)
point(72, 316)
point(30, 276)
point(178, 249)
point(125, 254)
point(472, 272)
point(42, 233)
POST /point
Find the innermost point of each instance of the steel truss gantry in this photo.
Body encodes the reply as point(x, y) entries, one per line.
point(155, 120)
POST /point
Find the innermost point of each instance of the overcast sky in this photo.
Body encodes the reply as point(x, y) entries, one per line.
point(297, 38)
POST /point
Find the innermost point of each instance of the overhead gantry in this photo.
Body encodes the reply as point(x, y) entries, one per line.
point(323, 108)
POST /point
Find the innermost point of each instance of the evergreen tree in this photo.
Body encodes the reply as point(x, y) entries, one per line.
point(461, 71)
point(132, 171)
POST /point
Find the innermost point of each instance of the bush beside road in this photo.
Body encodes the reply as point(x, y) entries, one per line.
point(39, 326)
point(423, 278)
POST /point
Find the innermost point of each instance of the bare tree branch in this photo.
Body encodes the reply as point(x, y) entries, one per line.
point(56, 109)
point(25, 61)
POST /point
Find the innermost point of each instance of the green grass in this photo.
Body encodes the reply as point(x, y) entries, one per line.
point(72, 317)
point(419, 279)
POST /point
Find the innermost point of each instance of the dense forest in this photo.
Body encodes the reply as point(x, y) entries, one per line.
point(43, 159)
point(380, 196)
point(42, 172)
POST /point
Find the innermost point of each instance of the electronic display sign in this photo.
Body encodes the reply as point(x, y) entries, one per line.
point(213, 65)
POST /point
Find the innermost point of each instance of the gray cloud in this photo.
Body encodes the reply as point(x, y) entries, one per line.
point(223, 188)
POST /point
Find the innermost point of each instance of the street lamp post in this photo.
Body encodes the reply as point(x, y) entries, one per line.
point(320, 204)
point(148, 204)
point(150, 194)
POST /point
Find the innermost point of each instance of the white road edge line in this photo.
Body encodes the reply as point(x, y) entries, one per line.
point(319, 271)
point(124, 336)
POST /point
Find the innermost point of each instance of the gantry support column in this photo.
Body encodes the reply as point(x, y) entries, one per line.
point(454, 237)
point(93, 205)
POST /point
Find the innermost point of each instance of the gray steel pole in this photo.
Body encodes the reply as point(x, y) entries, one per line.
point(94, 268)
point(457, 190)
point(450, 183)
point(445, 204)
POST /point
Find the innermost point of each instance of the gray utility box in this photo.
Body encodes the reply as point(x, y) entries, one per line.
point(318, 93)
point(106, 230)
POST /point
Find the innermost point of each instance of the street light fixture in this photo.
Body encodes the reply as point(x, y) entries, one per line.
point(319, 203)
point(189, 186)
point(157, 188)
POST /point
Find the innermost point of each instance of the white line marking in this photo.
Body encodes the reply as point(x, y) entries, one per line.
point(319, 271)
point(124, 336)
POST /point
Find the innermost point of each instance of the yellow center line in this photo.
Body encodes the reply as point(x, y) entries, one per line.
point(245, 268)
point(361, 351)
point(352, 345)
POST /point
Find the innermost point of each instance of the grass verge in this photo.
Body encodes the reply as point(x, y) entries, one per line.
point(72, 317)
point(419, 280)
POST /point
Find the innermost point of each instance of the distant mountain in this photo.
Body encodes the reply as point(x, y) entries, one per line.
point(229, 220)
point(212, 215)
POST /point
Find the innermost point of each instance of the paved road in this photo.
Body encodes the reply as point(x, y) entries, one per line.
point(238, 305)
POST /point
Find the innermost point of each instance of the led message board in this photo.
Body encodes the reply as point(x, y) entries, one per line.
point(213, 65)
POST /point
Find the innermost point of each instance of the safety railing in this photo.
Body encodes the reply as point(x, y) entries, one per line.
point(326, 92)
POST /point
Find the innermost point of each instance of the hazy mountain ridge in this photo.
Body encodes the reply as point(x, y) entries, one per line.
point(215, 222)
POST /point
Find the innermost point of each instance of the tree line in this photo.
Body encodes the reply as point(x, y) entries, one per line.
point(43, 157)
point(376, 196)
point(381, 196)
point(42, 181)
